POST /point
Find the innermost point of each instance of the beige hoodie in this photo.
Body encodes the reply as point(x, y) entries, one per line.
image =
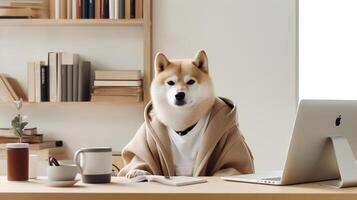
point(223, 150)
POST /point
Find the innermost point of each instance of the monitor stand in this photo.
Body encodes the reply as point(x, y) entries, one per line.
point(346, 163)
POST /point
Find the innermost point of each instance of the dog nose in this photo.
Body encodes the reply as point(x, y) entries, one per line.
point(180, 96)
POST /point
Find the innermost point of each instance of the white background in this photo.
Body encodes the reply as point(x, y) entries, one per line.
point(328, 49)
point(251, 46)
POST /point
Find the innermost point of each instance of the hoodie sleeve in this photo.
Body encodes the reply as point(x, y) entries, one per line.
point(235, 156)
point(137, 158)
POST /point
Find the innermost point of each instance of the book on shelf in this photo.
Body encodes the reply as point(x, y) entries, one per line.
point(37, 79)
point(91, 9)
point(84, 76)
point(58, 152)
point(127, 9)
point(69, 9)
point(114, 91)
point(79, 9)
point(121, 9)
point(26, 139)
point(63, 9)
point(112, 9)
point(118, 74)
point(46, 145)
point(44, 83)
point(139, 9)
point(65, 78)
point(14, 12)
point(95, 9)
point(85, 9)
point(10, 132)
point(132, 8)
point(10, 89)
point(118, 83)
point(119, 99)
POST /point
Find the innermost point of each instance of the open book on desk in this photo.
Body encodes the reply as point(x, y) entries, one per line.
point(169, 180)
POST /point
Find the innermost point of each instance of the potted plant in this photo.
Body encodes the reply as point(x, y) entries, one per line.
point(18, 153)
point(18, 124)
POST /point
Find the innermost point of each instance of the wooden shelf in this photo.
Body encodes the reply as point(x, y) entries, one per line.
point(70, 103)
point(71, 22)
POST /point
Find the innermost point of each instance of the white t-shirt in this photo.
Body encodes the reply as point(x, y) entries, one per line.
point(184, 148)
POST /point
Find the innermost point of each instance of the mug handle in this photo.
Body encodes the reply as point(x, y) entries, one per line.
point(76, 160)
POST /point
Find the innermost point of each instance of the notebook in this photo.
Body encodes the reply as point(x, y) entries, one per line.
point(169, 180)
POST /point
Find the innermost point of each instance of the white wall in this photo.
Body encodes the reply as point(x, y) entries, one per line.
point(251, 49)
point(327, 51)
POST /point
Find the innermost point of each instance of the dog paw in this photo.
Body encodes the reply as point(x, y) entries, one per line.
point(136, 172)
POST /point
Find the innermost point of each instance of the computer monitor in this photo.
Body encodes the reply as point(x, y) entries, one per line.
point(322, 146)
point(311, 155)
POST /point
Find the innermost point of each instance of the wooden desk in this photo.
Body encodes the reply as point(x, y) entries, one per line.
point(214, 189)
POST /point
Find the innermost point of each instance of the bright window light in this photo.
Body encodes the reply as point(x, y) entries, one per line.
point(328, 49)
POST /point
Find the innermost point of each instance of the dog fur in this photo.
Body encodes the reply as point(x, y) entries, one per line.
point(199, 96)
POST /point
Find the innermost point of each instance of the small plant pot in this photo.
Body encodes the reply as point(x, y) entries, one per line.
point(17, 161)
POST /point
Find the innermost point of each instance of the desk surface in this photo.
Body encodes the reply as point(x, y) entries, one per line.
point(215, 188)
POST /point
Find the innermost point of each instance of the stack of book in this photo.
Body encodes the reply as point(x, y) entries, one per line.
point(64, 78)
point(37, 145)
point(10, 89)
point(118, 86)
point(95, 9)
point(23, 9)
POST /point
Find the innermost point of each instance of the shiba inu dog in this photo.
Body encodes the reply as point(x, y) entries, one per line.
point(182, 91)
point(187, 131)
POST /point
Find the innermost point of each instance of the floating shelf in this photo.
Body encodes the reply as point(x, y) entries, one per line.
point(71, 22)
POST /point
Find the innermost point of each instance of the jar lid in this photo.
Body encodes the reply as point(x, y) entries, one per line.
point(17, 145)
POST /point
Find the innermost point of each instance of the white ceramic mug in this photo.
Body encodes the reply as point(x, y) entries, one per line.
point(95, 164)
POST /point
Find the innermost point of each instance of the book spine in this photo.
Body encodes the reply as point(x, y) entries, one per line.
point(97, 9)
point(64, 83)
point(116, 9)
point(106, 9)
point(111, 9)
point(31, 81)
point(52, 66)
point(57, 9)
point(91, 9)
point(138, 9)
point(69, 82)
point(63, 9)
point(74, 9)
point(51, 9)
point(85, 9)
point(79, 9)
point(102, 9)
point(44, 83)
point(59, 77)
point(69, 9)
point(132, 8)
point(127, 9)
point(121, 9)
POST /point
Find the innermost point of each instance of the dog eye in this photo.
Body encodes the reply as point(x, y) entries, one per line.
point(170, 83)
point(191, 82)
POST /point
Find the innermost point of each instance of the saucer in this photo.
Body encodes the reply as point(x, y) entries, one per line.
point(61, 183)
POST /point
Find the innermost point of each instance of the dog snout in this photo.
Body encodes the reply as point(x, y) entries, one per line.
point(180, 96)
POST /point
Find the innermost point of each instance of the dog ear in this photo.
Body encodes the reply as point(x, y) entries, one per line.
point(161, 62)
point(201, 61)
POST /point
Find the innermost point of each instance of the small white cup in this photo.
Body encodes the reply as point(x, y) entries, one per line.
point(33, 166)
point(62, 172)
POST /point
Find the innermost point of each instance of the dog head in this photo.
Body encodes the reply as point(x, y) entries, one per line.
point(182, 88)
